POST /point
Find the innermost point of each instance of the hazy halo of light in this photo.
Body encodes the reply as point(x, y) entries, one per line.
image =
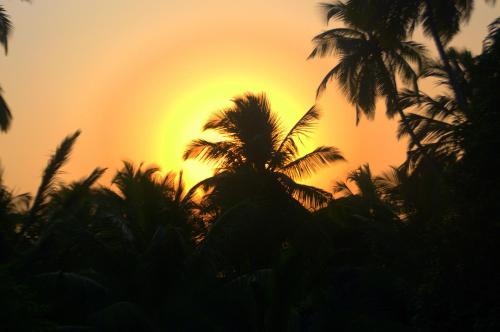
point(116, 68)
point(185, 116)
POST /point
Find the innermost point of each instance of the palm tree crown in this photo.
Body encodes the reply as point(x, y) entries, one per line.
point(253, 145)
point(373, 55)
point(441, 20)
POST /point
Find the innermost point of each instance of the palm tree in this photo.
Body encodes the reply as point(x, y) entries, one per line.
point(37, 215)
point(374, 56)
point(438, 121)
point(441, 20)
point(255, 155)
point(439, 125)
point(145, 203)
point(367, 198)
point(415, 195)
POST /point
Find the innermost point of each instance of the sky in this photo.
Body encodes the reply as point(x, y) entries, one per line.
point(140, 78)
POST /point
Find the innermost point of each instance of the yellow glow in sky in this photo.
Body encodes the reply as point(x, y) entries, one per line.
point(141, 77)
point(186, 115)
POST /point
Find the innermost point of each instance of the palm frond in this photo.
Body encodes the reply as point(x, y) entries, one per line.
point(311, 162)
point(341, 187)
point(366, 97)
point(220, 122)
point(334, 11)
point(414, 53)
point(93, 177)
point(129, 175)
point(303, 127)
point(309, 196)
point(365, 182)
point(406, 72)
point(493, 37)
point(441, 107)
point(5, 28)
point(51, 172)
point(338, 41)
point(444, 18)
point(5, 114)
point(215, 152)
point(179, 189)
point(208, 183)
point(188, 198)
point(386, 87)
point(346, 71)
point(70, 199)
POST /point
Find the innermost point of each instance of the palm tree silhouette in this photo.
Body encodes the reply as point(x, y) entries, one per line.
point(441, 21)
point(255, 154)
point(439, 121)
point(438, 124)
point(368, 197)
point(144, 203)
point(373, 56)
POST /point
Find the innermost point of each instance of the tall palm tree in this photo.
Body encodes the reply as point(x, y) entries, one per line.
point(439, 125)
point(438, 121)
point(256, 155)
point(441, 20)
point(374, 56)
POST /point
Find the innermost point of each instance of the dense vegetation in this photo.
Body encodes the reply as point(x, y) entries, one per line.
point(250, 249)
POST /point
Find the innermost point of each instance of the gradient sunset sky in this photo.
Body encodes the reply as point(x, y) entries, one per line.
point(139, 78)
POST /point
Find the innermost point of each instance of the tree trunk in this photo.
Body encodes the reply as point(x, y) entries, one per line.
point(453, 80)
point(394, 95)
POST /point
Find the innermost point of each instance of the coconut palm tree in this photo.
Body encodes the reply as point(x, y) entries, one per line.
point(255, 155)
point(438, 121)
point(144, 206)
point(441, 21)
point(366, 197)
point(374, 56)
point(416, 195)
point(438, 124)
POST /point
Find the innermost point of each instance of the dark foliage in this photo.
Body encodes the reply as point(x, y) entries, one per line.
point(251, 249)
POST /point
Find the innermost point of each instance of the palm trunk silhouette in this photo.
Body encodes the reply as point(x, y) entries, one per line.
point(394, 96)
point(453, 79)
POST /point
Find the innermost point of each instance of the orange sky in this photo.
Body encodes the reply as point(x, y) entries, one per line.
point(140, 77)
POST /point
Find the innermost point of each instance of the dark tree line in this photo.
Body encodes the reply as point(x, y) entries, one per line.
point(252, 248)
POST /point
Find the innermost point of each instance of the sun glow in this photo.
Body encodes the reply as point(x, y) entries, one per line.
point(164, 97)
point(185, 116)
